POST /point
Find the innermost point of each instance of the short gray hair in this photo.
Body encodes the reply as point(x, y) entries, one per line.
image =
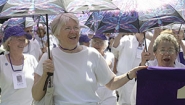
point(60, 21)
point(166, 37)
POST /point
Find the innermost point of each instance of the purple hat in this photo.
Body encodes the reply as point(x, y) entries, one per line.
point(84, 38)
point(101, 36)
point(15, 31)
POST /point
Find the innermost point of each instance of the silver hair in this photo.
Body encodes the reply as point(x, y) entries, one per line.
point(60, 21)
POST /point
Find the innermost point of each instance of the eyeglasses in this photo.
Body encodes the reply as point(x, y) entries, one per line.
point(69, 29)
point(170, 51)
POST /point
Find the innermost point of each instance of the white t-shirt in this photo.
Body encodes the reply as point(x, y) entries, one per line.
point(76, 75)
point(33, 49)
point(9, 95)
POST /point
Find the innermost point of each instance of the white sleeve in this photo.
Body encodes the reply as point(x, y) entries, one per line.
point(133, 94)
point(39, 69)
point(103, 72)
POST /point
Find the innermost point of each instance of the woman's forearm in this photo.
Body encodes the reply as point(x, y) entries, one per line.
point(37, 89)
point(121, 80)
point(117, 82)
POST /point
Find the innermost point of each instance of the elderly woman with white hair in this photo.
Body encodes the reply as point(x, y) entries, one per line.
point(172, 30)
point(100, 43)
point(77, 69)
point(166, 49)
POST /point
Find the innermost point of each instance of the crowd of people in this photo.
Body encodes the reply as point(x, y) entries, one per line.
point(87, 70)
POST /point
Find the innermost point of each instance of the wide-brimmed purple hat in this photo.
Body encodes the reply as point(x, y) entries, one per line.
point(84, 38)
point(15, 31)
point(101, 36)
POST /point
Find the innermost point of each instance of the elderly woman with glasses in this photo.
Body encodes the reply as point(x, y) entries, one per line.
point(166, 49)
point(17, 69)
point(76, 69)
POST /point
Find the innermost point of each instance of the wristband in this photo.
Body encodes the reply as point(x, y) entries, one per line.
point(129, 77)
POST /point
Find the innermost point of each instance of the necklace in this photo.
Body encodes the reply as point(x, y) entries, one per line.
point(12, 65)
point(68, 49)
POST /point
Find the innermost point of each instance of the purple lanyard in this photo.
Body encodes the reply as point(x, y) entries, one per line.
point(12, 66)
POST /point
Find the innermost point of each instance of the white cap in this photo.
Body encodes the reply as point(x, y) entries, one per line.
point(29, 22)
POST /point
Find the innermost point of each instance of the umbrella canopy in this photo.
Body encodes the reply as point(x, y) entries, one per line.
point(14, 8)
point(14, 22)
point(134, 21)
point(94, 20)
point(144, 7)
point(178, 5)
point(83, 17)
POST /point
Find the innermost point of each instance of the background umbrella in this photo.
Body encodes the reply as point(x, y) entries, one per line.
point(152, 13)
point(94, 20)
point(135, 22)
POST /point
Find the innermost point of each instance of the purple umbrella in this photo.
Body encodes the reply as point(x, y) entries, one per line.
point(94, 20)
point(137, 16)
point(135, 22)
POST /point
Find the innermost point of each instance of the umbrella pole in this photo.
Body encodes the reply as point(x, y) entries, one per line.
point(48, 42)
point(48, 79)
